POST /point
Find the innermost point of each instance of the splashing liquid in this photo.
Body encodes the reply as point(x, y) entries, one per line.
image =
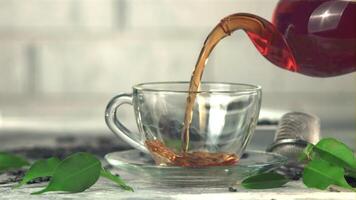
point(318, 49)
point(165, 156)
point(268, 41)
point(319, 39)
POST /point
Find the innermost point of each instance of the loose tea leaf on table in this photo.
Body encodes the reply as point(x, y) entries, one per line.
point(40, 168)
point(9, 161)
point(106, 174)
point(321, 174)
point(76, 173)
point(264, 181)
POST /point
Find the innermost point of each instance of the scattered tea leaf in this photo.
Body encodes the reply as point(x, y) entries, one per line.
point(40, 168)
point(9, 161)
point(320, 174)
point(76, 173)
point(106, 174)
point(264, 181)
point(336, 152)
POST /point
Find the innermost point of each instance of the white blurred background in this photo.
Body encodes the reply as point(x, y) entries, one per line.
point(62, 60)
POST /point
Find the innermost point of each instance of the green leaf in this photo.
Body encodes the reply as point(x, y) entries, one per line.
point(76, 173)
point(9, 161)
point(264, 181)
point(307, 153)
point(336, 152)
point(40, 168)
point(106, 174)
point(320, 174)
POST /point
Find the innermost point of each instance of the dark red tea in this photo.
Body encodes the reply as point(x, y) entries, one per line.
point(321, 35)
point(163, 155)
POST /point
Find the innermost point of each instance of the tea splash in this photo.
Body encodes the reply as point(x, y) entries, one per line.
point(332, 54)
point(270, 44)
point(264, 36)
point(163, 155)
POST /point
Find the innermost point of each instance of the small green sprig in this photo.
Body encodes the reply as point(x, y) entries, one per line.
point(40, 168)
point(327, 163)
point(9, 161)
point(75, 173)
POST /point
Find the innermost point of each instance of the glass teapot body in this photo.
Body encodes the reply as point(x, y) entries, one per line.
point(311, 37)
point(320, 33)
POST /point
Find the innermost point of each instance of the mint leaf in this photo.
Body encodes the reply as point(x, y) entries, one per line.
point(9, 161)
point(320, 174)
point(76, 173)
point(336, 152)
point(264, 181)
point(106, 174)
point(40, 168)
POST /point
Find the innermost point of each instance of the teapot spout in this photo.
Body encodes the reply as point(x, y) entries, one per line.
point(266, 38)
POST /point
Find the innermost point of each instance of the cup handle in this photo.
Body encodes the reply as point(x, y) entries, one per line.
point(117, 127)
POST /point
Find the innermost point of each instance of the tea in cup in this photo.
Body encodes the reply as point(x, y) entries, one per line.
point(224, 117)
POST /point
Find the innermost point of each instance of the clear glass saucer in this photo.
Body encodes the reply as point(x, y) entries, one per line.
point(143, 167)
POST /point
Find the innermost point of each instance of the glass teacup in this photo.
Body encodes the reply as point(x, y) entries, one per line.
point(224, 118)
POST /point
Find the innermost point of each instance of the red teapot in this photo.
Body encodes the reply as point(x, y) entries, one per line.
point(311, 37)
